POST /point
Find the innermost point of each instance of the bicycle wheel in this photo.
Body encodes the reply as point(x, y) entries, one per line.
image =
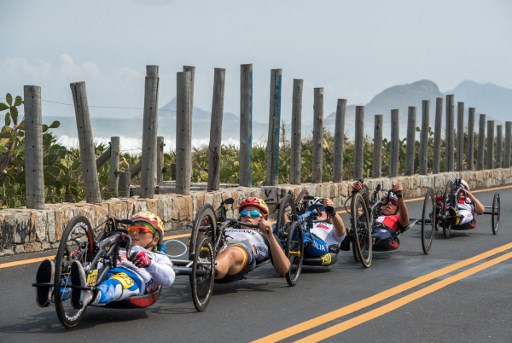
point(76, 244)
point(428, 221)
point(205, 225)
point(362, 230)
point(295, 252)
point(495, 216)
point(202, 274)
point(285, 215)
point(448, 202)
point(300, 206)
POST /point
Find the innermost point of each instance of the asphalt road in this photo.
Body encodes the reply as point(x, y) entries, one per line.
point(461, 292)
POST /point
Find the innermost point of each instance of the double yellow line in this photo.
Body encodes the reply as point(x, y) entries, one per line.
point(393, 305)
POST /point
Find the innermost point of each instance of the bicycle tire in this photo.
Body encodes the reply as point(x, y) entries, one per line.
point(448, 201)
point(77, 244)
point(428, 221)
point(202, 274)
point(362, 229)
point(495, 216)
point(286, 209)
point(205, 225)
point(295, 252)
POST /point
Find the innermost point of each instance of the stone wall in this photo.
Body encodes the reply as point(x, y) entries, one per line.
point(25, 230)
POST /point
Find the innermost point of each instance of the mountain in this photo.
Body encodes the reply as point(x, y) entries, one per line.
point(494, 101)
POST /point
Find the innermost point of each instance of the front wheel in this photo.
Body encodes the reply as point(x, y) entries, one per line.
point(495, 217)
point(362, 230)
point(205, 225)
point(285, 215)
point(202, 274)
point(76, 244)
point(428, 221)
point(295, 252)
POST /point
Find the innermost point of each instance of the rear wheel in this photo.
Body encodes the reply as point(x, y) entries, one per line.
point(286, 214)
point(428, 219)
point(202, 274)
point(495, 216)
point(76, 244)
point(362, 230)
point(294, 251)
point(448, 202)
point(205, 226)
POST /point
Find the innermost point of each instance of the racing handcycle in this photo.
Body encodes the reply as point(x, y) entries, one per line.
point(97, 250)
point(446, 205)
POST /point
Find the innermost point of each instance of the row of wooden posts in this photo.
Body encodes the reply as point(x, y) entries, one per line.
point(152, 146)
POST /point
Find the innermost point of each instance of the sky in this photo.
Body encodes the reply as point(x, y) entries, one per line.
point(354, 49)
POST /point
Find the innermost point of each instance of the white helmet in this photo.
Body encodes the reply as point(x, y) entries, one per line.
point(316, 201)
point(464, 184)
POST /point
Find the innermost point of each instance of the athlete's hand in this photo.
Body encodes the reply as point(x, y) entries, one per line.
point(265, 227)
point(142, 260)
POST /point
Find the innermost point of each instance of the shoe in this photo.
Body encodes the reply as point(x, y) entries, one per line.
point(79, 297)
point(45, 274)
point(454, 215)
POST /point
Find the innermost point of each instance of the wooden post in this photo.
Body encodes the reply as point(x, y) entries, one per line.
point(508, 134)
point(160, 159)
point(449, 132)
point(245, 159)
point(295, 159)
point(115, 152)
point(149, 132)
point(377, 147)
point(339, 140)
point(471, 138)
point(124, 184)
point(423, 155)
point(34, 173)
point(359, 144)
point(214, 154)
point(460, 136)
point(318, 119)
point(192, 71)
point(183, 133)
point(411, 141)
point(86, 143)
point(436, 163)
point(395, 143)
point(490, 145)
point(499, 146)
point(274, 128)
point(481, 143)
point(103, 158)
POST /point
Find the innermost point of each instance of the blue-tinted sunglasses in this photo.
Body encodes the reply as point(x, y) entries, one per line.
point(253, 213)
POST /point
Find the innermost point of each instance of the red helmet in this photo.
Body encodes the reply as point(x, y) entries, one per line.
point(253, 201)
point(153, 220)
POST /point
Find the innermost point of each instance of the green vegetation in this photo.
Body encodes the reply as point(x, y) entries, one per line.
point(63, 177)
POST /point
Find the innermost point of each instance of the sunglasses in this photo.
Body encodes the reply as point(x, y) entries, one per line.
point(252, 213)
point(392, 201)
point(139, 229)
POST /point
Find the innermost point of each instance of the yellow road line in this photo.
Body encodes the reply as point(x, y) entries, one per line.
point(365, 317)
point(320, 320)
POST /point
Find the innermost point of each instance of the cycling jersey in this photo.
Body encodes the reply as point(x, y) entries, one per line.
point(320, 238)
point(251, 238)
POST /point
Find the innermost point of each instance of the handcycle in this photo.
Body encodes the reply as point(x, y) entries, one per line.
point(98, 255)
point(365, 208)
point(296, 218)
point(446, 203)
point(212, 223)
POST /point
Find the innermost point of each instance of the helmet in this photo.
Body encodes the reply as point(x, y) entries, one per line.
point(390, 197)
point(253, 201)
point(464, 184)
point(316, 201)
point(153, 220)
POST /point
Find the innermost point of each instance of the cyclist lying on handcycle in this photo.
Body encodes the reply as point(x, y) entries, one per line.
point(393, 216)
point(246, 245)
point(142, 272)
point(468, 206)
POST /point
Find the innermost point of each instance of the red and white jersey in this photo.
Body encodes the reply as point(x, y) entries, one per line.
point(391, 221)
